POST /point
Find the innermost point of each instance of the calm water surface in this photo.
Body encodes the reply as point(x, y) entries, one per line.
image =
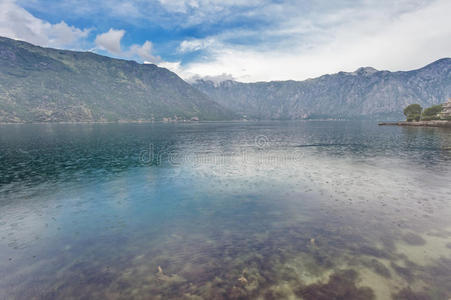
point(267, 210)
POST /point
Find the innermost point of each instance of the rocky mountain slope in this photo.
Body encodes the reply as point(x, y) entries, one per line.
point(365, 93)
point(48, 85)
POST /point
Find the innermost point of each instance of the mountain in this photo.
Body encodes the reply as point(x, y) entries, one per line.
point(49, 85)
point(365, 93)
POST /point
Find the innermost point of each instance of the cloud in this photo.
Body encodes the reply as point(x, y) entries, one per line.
point(172, 66)
point(17, 23)
point(210, 14)
point(110, 41)
point(215, 79)
point(144, 52)
point(382, 35)
point(250, 40)
point(195, 45)
point(186, 6)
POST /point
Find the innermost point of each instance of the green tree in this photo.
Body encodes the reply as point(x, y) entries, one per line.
point(413, 117)
point(431, 113)
point(413, 112)
point(413, 109)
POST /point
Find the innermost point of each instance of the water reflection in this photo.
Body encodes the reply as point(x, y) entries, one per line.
point(231, 210)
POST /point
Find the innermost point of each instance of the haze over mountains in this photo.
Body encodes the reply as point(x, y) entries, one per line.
point(49, 85)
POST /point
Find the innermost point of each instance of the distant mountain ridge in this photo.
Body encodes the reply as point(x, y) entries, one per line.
point(365, 93)
point(49, 85)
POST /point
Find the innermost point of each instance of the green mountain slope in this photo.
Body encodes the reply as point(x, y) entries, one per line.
point(48, 85)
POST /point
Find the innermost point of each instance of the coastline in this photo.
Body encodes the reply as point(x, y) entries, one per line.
point(434, 123)
point(174, 122)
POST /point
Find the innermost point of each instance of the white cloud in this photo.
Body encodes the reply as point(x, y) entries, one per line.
point(144, 52)
point(172, 66)
point(394, 37)
point(215, 79)
point(201, 12)
point(110, 40)
point(255, 39)
point(17, 23)
point(204, 5)
point(195, 45)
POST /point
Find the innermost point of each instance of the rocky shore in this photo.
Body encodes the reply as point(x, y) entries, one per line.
point(434, 123)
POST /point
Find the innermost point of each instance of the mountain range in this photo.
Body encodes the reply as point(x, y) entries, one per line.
point(365, 93)
point(49, 85)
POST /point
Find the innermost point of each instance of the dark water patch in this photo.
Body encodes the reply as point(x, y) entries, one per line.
point(378, 267)
point(405, 273)
point(388, 243)
point(341, 285)
point(439, 275)
point(372, 251)
point(408, 294)
point(413, 239)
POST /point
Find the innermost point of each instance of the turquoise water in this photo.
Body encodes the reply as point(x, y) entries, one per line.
point(264, 210)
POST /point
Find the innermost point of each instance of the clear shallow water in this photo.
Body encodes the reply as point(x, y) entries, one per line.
point(269, 210)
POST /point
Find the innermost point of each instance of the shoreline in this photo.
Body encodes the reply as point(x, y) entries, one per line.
point(173, 122)
point(434, 123)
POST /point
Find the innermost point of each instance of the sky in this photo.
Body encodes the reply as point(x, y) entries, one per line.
point(244, 40)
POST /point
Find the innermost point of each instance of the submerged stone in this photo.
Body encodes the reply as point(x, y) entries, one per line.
point(408, 294)
point(373, 251)
point(403, 272)
point(243, 280)
point(413, 239)
point(379, 268)
point(341, 285)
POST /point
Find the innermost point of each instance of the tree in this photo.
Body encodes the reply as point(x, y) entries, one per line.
point(413, 109)
point(413, 117)
point(432, 112)
point(413, 112)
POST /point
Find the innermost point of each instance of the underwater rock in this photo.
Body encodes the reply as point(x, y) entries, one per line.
point(378, 267)
point(236, 293)
point(413, 239)
point(448, 245)
point(173, 278)
point(441, 270)
point(322, 259)
point(341, 285)
point(388, 243)
point(242, 279)
point(440, 276)
point(403, 272)
point(373, 251)
point(408, 294)
point(276, 295)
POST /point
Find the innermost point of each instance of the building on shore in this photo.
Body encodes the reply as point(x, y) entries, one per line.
point(446, 110)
